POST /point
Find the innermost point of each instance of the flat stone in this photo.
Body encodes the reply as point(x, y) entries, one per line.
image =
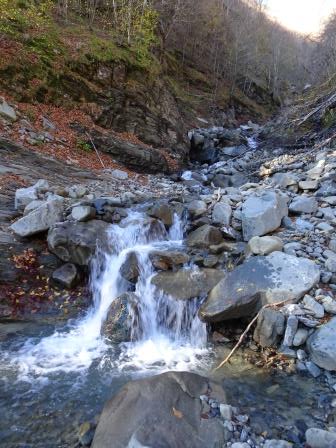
point(258, 281)
point(40, 219)
point(303, 204)
point(187, 283)
point(263, 214)
point(319, 438)
point(322, 345)
point(264, 245)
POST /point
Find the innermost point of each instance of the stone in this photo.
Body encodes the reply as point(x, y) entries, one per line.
point(83, 213)
point(119, 174)
point(317, 170)
point(117, 325)
point(234, 151)
point(329, 304)
point(319, 438)
point(76, 242)
point(291, 328)
point(332, 245)
point(258, 281)
point(33, 205)
point(86, 433)
point(262, 214)
point(77, 191)
point(221, 213)
point(309, 185)
point(40, 219)
point(204, 236)
point(322, 345)
point(130, 269)
point(291, 248)
point(164, 212)
point(265, 245)
point(313, 369)
point(325, 227)
point(303, 204)
point(66, 275)
point(284, 180)
point(160, 411)
point(197, 208)
point(164, 260)
point(23, 196)
point(187, 283)
point(327, 189)
point(277, 444)
point(270, 326)
point(240, 445)
point(330, 264)
point(300, 337)
point(7, 111)
point(315, 308)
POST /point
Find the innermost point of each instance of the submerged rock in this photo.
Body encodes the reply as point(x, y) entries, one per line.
point(161, 411)
point(262, 214)
point(258, 281)
point(187, 283)
point(76, 242)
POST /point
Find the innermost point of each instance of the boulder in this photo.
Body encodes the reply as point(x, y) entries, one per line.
point(284, 180)
point(117, 325)
point(197, 208)
point(66, 275)
point(270, 326)
point(221, 213)
point(204, 236)
point(322, 345)
point(164, 260)
point(164, 212)
point(319, 438)
point(130, 269)
point(160, 411)
point(23, 196)
point(303, 204)
point(83, 213)
point(76, 242)
point(264, 245)
point(40, 219)
point(187, 283)
point(258, 281)
point(262, 214)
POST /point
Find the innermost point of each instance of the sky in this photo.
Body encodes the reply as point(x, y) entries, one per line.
point(304, 16)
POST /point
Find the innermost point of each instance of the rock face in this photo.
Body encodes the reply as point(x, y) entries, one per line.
point(161, 411)
point(204, 237)
point(270, 326)
point(76, 242)
point(40, 219)
point(186, 283)
point(258, 281)
point(322, 346)
point(137, 157)
point(262, 214)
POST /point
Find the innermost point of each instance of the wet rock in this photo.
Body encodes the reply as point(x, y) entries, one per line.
point(270, 326)
point(163, 410)
point(165, 260)
point(83, 213)
point(322, 345)
point(258, 281)
point(222, 213)
point(117, 325)
point(262, 214)
point(76, 242)
point(303, 204)
point(66, 275)
point(319, 438)
point(130, 269)
point(164, 212)
point(187, 283)
point(265, 245)
point(204, 237)
point(40, 219)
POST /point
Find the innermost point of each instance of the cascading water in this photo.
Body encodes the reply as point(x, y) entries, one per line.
point(169, 333)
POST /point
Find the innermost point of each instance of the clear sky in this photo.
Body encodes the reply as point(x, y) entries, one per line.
point(304, 16)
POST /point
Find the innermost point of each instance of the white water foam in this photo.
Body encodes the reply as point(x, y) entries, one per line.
point(169, 332)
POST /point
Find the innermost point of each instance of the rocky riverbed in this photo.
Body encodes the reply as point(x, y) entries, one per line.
point(259, 237)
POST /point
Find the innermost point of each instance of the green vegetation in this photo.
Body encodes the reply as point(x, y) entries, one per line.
point(17, 16)
point(84, 146)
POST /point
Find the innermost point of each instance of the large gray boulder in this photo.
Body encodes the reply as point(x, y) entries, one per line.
point(76, 242)
point(262, 214)
point(322, 345)
point(40, 219)
point(187, 283)
point(204, 237)
point(259, 281)
point(162, 411)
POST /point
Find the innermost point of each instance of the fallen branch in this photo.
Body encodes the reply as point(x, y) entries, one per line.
point(95, 148)
point(271, 305)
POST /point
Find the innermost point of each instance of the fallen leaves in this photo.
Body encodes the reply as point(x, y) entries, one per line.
point(176, 413)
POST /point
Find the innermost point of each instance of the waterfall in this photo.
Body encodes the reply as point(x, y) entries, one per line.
point(166, 333)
